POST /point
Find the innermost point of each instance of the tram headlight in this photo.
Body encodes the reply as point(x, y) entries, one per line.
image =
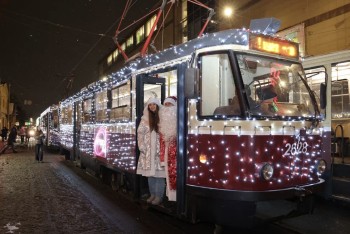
point(203, 158)
point(266, 171)
point(321, 166)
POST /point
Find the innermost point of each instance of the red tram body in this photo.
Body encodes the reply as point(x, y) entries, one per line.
point(267, 147)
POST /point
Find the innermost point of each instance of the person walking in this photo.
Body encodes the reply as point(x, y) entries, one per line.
point(4, 132)
point(39, 143)
point(27, 135)
point(168, 144)
point(149, 164)
point(10, 141)
point(22, 133)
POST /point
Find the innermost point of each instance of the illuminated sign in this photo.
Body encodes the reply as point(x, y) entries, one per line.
point(274, 45)
point(100, 142)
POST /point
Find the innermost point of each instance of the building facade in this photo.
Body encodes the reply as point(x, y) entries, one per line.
point(320, 26)
point(6, 108)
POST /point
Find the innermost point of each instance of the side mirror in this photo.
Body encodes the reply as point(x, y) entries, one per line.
point(323, 95)
point(192, 83)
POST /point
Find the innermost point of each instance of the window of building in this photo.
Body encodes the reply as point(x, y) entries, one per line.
point(115, 54)
point(110, 60)
point(140, 35)
point(149, 25)
point(130, 42)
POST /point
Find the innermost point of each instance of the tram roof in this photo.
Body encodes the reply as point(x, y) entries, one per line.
point(227, 37)
point(233, 36)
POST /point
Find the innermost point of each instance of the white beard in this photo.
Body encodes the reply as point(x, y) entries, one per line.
point(168, 122)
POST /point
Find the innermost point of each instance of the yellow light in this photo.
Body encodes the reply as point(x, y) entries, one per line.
point(203, 158)
point(228, 11)
point(274, 45)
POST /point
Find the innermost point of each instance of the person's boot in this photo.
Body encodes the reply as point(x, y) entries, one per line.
point(157, 201)
point(151, 198)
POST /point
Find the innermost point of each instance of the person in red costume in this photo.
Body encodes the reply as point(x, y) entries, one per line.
point(168, 132)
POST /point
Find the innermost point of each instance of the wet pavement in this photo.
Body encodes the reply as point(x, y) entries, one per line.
point(57, 197)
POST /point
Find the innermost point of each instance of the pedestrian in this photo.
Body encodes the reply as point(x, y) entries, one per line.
point(168, 143)
point(10, 141)
point(22, 133)
point(27, 135)
point(4, 132)
point(39, 143)
point(149, 164)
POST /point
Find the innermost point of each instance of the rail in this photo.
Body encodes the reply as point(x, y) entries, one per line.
point(341, 142)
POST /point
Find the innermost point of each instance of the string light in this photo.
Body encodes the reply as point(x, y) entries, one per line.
point(217, 158)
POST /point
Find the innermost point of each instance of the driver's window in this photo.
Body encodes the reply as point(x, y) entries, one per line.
point(218, 90)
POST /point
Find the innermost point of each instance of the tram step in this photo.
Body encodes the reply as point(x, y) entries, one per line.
point(341, 185)
point(341, 170)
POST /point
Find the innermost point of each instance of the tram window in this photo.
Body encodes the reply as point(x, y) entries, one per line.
point(287, 94)
point(218, 91)
point(54, 121)
point(340, 90)
point(315, 77)
point(87, 110)
point(151, 91)
point(67, 114)
point(101, 106)
point(78, 113)
point(171, 82)
point(120, 103)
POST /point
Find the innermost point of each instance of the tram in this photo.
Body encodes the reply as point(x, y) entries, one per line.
point(249, 126)
point(48, 122)
point(335, 69)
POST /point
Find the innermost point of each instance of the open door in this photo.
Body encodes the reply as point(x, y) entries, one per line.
point(146, 87)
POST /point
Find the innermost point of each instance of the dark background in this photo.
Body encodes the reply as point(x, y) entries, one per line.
point(51, 48)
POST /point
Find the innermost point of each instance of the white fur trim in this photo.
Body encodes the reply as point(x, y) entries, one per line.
point(153, 100)
point(170, 100)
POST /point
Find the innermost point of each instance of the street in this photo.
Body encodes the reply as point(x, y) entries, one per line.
point(57, 197)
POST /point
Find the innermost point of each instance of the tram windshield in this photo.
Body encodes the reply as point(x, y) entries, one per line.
point(275, 87)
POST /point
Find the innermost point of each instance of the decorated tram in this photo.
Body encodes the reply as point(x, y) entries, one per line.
point(249, 127)
point(48, 122)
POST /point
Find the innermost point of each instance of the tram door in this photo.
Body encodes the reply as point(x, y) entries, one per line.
point(146, 87)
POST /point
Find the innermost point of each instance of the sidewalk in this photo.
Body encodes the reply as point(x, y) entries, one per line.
point(37, 198)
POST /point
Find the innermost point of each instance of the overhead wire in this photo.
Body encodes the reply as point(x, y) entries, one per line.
point(52, 23)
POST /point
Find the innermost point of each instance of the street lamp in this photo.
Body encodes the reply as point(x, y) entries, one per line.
point(228, 11)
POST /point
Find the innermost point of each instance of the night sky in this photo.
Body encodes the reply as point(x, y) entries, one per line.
point(43, 43)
